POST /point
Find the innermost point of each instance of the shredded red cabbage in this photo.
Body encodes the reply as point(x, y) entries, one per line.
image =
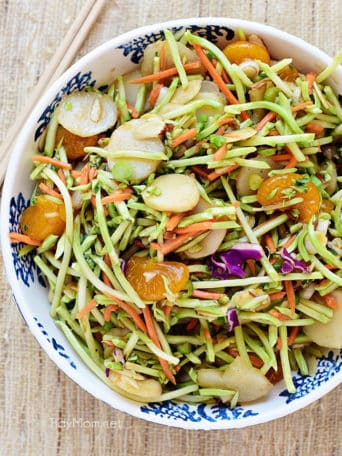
point(118, 355)
point(107, 370)
point(290, 263)
point(123, 265)
point(232, 319)
point(225, 264)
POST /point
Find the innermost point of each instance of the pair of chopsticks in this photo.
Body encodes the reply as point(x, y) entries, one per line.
point(58, 64)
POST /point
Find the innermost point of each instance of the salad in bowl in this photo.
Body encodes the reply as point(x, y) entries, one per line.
point(185, 217)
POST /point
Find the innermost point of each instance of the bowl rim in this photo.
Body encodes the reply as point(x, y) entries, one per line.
point(123, 404)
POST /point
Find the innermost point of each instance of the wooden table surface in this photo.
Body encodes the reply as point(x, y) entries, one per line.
point(42, 412)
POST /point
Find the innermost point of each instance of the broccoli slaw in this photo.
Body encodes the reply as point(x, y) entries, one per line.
point(187, 220)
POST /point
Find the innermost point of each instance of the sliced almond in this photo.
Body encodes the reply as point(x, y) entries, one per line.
point(87, 113)
point(185, 94)
point(240, 135)
point(148, 126)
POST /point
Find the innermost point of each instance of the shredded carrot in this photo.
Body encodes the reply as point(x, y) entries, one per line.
point(269, 243)
point(207, 295)
point(324, 283)
point(106, 259)
point(236, 204)
point(195, 227)
point(116, 197)
point(310, 77)
point(162, 56)
point(264, 121)
point(291, 298)
point(75, 174)
point(251, 265)
point(51, 161)
point(106, 280)
point(169, 235)
point(292, 162)
point(151, 331)
point(84, 176)
point(281, 157)
point(130, 310)
point(172, 244)
point(49, 191)
point(289, 242)
point(226, 121)
point(92, 173)
point(217, 78)
point(189, 134)
point(330, 301)
point(220, 172)
point(220, 131)
point(224, 77)
point(86, 309)
point(153, 97)
point(164, 74)
point(191, 325)
point(108, 310)
point(301, 106)
point(279, 344)
point(207, 335)
point(18, 237)
point(277, 295)
point(61, 175)
point(109, 343)
point(275, 313)
point(202, 172)
point(255, 360)
point(167, 310)
point(174, 220)
point(331, 267)
point(135, 114)
point(313, 127)
point(220, 153)
point(293, 335)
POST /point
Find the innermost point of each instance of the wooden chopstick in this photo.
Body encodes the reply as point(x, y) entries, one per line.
point(57, 65)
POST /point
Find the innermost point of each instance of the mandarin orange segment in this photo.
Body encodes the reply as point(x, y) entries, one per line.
point(145, 276)
point(74, 145)
point(289, 73)
point(282, 188)
point(238, 51)
point(45, 217)
point(327, 206)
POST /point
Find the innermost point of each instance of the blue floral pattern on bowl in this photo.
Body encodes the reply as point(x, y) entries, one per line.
point(135, 48)
point(77, 82)
point(25, 268)
point(56, 346)
point(327, 367)
point(196, 413)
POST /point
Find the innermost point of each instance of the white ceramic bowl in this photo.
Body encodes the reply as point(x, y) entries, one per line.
point(99, 68)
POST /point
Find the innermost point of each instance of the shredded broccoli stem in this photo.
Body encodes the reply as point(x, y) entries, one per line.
point(329, 70)
point(176, 57)
point(284, 358)
point(67, 240)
